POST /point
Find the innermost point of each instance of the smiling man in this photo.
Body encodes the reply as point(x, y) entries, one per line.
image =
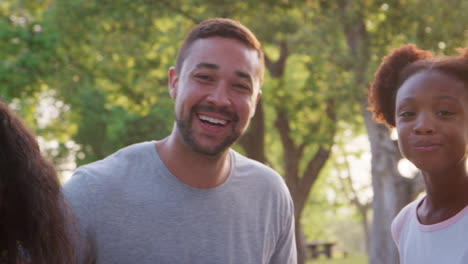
point(190, 198)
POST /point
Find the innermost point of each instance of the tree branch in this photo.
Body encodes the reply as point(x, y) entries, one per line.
point(290, 151)
point(276, 68)
point(180, 11)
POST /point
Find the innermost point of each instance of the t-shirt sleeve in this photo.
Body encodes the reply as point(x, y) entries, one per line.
point(80, 197)
point(395, 231)
point(398, 223)
point(285, 250)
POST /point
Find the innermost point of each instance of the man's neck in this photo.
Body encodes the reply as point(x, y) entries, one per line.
point(192, 168)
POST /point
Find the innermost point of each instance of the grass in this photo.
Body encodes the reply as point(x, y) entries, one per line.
point(351, 259)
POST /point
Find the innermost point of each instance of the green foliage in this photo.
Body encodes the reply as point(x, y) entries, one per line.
point(26, 48)
point(104, 65)
point(328, 215)
point(351, 259)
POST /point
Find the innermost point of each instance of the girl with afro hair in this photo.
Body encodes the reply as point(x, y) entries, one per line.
point(426, 100)
point(35, 222)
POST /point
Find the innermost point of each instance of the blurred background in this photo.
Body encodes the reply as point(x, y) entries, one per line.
point(90, 77)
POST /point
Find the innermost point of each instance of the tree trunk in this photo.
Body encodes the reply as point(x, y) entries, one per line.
point(253, 141)
point(300, 243)
point(299, 185)
point(364, 211)
point(391, 190)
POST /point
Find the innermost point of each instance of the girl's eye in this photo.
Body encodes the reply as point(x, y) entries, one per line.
point(444, 113)
point(406, 114)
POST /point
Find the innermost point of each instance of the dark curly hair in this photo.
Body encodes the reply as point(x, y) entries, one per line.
point(401, 64)
point(35, 223)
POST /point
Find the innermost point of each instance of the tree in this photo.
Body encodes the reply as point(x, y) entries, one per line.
point(106, 62)
point(371, 28)
point(347, 186)
point(101, 81)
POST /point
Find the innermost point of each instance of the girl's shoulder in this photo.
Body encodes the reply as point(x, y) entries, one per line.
point(402, 218)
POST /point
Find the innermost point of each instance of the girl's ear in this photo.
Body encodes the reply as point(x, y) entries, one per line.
point(173, 80)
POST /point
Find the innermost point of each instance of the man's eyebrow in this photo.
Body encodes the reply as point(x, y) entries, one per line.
point(244, 75)
point(213, 66)
point(207, 65)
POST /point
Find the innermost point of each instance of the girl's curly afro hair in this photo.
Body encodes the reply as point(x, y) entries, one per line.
point(401, 64)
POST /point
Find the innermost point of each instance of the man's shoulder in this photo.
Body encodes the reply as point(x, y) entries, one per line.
point(256, 171)
point(244, 163)
point(118, 163)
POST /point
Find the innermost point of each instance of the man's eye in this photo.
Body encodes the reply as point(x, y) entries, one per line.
point(242, 86)
point(203, 77)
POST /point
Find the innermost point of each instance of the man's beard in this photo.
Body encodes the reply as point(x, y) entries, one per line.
point(185, 128)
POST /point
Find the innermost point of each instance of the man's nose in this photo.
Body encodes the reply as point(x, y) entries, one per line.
point(219, 95)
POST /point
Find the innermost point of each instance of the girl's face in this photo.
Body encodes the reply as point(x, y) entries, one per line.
point(431, 115)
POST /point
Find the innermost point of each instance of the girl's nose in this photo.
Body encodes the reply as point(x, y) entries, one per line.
point(424, 125)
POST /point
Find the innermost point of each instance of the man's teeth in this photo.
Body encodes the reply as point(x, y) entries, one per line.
point(212, 120)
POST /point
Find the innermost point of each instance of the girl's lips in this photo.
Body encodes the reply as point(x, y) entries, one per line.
point(427, 147)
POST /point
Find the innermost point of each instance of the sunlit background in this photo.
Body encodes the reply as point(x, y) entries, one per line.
point(89, 77)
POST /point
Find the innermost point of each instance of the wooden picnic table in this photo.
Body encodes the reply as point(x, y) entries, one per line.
point(316, 248)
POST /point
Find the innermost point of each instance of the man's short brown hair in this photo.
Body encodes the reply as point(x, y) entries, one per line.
point(225, 28)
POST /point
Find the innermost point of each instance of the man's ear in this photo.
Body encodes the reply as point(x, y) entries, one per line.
point(259, 95)
point(173, 80)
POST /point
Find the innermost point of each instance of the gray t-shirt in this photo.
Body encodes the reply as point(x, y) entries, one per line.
point(131, 209)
